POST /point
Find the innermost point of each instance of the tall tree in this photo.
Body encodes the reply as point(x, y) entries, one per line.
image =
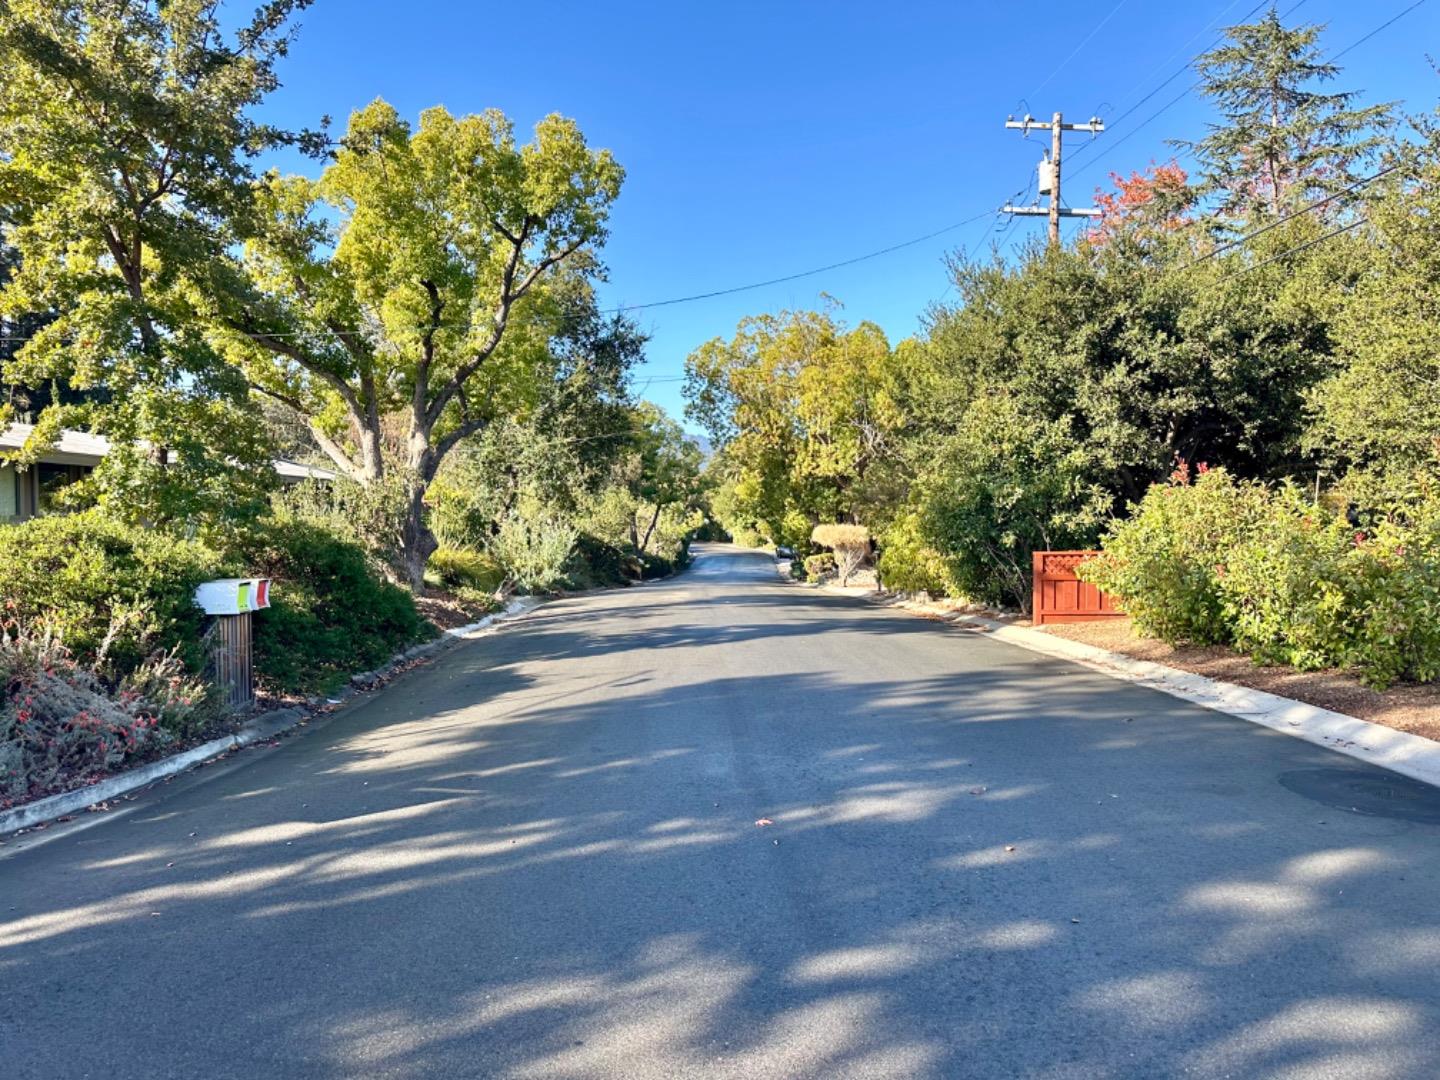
point(1380, 413)
point(1282, 139)
point(666, 473)
point(125, 139)
point(419, 277)
point(802, 408)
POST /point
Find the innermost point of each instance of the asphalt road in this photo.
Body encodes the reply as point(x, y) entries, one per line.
point(540, 857)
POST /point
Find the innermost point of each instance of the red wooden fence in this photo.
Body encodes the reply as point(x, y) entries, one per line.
point(1059, 596)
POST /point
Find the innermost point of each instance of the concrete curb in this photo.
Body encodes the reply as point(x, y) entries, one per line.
point(265, 726)
point(1399, 751)
point(69, 802)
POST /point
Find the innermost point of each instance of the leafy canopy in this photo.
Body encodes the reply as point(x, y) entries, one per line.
point(125, 142)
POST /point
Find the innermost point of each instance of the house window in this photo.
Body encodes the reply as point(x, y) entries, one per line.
point(49, 479)
point(9, 493)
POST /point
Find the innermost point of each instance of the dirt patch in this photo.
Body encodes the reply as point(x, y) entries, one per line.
point(447, 611)
point(1411, 708)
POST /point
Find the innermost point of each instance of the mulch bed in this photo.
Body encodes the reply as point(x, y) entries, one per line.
point(1405, 707)
point(447, 611)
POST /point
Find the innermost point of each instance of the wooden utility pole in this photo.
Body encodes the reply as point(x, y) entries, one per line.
point(1055, 144)
point(1049, 184)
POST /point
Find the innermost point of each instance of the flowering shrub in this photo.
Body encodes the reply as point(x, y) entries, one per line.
point(1167, 560)
point(60, 722)
point(1290, 582)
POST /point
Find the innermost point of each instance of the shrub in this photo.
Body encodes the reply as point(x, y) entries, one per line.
point(594, 563)
point(818, 567)
point(1283, 579)
point(464, 568)
point(1396, 591)
point(908, 564)
point(456, 518)
point(61, 722)
point(1006, 484)
point(534, 552)
point(1309, 590)
point(1284, 585)
point(1164, 561)
point(331, 613)
point(850, 543)
point(372, 517)
point(91, 577)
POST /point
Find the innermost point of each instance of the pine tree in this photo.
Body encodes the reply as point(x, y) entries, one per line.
point(1282, 141)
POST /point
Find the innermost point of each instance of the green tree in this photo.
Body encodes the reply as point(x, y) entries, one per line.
point(1380, 412)
point(802, 409)
point(422, 277)
point(1001, 487)
point(661, 471)
point(1281, 139)
point(556, 455)
point(125, 137)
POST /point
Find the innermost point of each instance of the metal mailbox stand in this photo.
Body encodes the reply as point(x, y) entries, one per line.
point(231, 601)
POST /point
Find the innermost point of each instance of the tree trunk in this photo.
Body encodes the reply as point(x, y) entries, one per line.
point(419, 542)
point(654, 518)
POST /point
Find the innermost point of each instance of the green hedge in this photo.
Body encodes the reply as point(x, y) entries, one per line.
point(88, 575)
point(331, 613)
point(1273, 574)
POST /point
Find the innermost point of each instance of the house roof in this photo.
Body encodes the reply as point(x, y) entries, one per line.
point(84, 448)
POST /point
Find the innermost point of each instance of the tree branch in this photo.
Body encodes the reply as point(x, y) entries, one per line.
point(449, 442)
point(509, 295)
point(333, 450)
point(281, 347)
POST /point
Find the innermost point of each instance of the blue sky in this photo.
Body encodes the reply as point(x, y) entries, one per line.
point(763, 139)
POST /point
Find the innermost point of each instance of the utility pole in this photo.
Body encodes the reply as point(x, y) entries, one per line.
point(1050, 171)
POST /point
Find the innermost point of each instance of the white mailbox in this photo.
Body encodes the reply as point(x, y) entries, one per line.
point(232, 600)
point(233, 596)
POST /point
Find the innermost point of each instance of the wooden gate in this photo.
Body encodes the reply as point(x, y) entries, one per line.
point(1059, 596)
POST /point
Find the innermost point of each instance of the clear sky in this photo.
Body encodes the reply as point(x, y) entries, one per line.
point(763, 139)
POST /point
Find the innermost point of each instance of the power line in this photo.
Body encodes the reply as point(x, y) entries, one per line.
point(1372, 33)
point(281, 334)
point(1302, 247)
point(1174, 75)
point(1390, 22)
point(1111, 147)
point(1239, 240)
point(803, 273)
point(1076, 51)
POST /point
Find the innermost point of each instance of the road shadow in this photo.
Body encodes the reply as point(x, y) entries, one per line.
point(711, 828)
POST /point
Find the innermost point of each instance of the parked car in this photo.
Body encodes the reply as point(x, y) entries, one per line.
point(782, 552)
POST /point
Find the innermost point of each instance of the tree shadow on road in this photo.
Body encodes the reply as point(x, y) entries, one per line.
point(1011, 868)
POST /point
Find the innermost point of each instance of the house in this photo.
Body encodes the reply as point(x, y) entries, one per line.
point(25, 493)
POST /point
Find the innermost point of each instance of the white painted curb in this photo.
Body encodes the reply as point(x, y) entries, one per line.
point(70, 802)
point(1410, 755)
point(519, 606)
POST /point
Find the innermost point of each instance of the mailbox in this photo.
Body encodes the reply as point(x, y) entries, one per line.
point(231, 600)
point(233, 596)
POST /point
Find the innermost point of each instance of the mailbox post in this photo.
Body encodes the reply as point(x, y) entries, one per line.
point(231, 601)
